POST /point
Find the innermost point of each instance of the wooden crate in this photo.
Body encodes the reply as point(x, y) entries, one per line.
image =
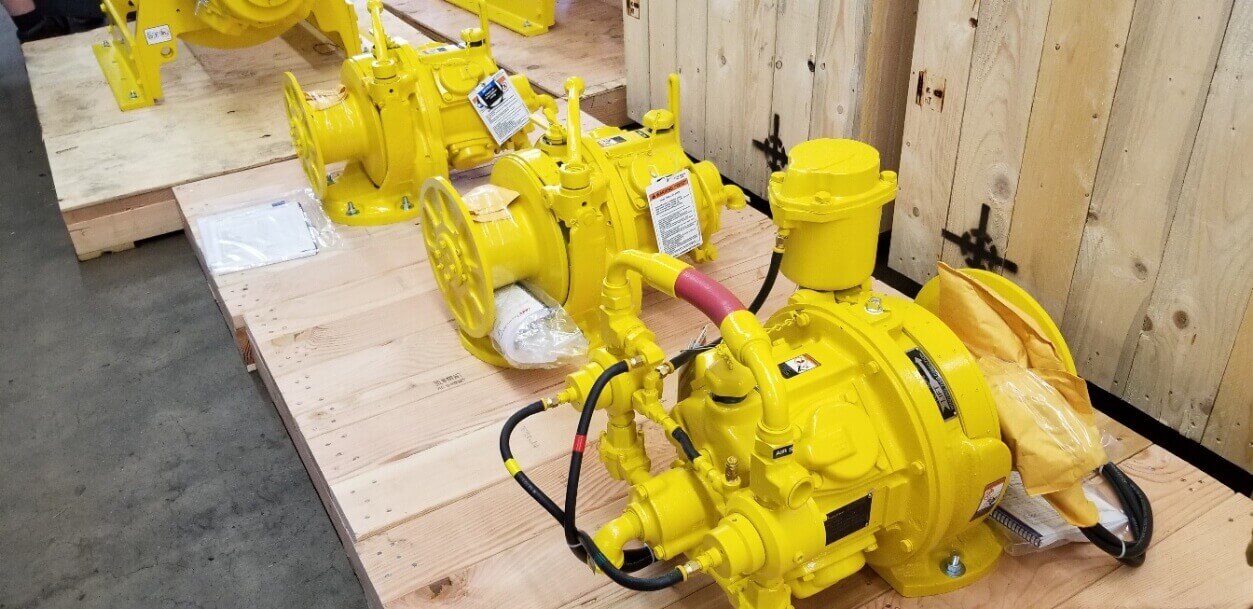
point(1104, 149)
point(223, 112)
point(585, 42)
point(398, 426)
point(824, 68)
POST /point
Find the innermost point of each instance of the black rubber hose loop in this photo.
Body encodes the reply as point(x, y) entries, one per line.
point(1139, 520)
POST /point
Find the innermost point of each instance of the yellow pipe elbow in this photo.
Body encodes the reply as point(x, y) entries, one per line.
point(617, 533)
point(658, 270)
point(750, 344)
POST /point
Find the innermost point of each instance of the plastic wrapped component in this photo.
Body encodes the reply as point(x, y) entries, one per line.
point(1052, 434)
point(1029, 524)
point(532, 331)
point(287, 227)
point(1045, 414)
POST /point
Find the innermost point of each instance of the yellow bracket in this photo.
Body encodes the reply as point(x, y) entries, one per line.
point(526, 17)
point(132, 57)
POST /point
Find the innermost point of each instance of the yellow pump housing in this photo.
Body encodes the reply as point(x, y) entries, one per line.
point(401, 115)
point(132, 58)
point(526, 17)
point(853, 428)
point(580, 201)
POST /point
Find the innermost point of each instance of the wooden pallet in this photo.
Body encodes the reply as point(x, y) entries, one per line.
point(223, 112)
point(585, 42)
point(397, 426)
point(1106, 154)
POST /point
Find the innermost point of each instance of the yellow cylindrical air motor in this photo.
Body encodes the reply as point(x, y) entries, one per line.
point(578, 201)
point(852, 428)
point(402, 115)
point(131, 59)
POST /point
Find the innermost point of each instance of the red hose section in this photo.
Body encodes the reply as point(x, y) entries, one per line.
point(711, 297)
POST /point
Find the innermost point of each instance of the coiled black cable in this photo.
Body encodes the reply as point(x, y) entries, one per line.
point(1139, 520)
point(767, 284)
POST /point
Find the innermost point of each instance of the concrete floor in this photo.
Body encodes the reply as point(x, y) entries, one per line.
point(140, 465)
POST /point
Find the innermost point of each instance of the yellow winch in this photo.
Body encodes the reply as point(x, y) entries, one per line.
point(578, 201)
point(852, 428)
point(131, 59)
point(404, 114)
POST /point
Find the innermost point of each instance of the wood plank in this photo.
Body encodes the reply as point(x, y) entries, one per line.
point(1172, 49)
point(1207, 567)
point(663, 33)
point(835, 85)
point(741, 42)
point(690, 58)
point(104, 227)
point(796, 49)
point(1206, 276)
point(1083, 50)
point(636, 57)
point(1227, 432)
point(943, 48)
point(885, 83)
point(1003, 69)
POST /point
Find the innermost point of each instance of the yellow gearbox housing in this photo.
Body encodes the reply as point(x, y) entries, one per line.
point(402, 114)
point(133, 55)
point(580, 200)
point(526, 17)
point(853, 428)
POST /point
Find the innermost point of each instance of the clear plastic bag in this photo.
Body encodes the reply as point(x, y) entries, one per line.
point(278, 229)
point(533, 331)
point(1028, 524)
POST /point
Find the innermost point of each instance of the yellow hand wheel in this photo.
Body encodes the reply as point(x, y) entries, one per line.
point(299, 113)
point(456, 257)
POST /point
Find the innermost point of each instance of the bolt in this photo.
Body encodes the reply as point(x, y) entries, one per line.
point(352, 209)
point(732, 469)
point(106, 44)
point(405, 204)
point(874, 305)
point(953, 566)
point(134, 95)
point(330, 179)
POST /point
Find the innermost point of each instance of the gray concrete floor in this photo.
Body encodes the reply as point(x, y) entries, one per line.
point(140, 465)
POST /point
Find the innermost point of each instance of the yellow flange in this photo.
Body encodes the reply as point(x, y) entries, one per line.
point(401, 115)
point(526, 17)
point(133, 55)
point(580, 200)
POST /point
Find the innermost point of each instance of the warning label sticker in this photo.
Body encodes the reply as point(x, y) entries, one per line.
point(611, 141)
point(991, 494)
point(500, 106)
point(798, 365)
point(672, 203)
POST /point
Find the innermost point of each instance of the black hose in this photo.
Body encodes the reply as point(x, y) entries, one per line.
point(1139, 520)
point(767, 284)
point(636, 558)
point(576, 455)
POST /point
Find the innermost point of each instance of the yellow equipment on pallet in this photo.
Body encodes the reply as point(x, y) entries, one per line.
point(580, 199)
point(852, 428)
point(526, 17)
point(132, 58)
point(402, 115)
